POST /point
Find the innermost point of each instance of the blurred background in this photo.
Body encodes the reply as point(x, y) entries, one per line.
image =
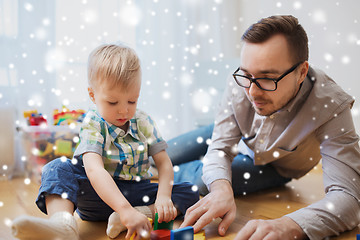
point(187, 49)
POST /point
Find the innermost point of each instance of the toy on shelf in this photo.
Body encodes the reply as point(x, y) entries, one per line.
point(37, 120)
point(63, 148)
point(34, 118)
point(42, 144)
point(67, 117)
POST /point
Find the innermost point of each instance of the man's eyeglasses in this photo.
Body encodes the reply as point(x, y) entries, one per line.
point(267, 84)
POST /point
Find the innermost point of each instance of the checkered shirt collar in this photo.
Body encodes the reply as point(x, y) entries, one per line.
point(116, 132)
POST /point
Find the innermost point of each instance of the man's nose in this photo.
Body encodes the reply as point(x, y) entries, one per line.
point(254, 90)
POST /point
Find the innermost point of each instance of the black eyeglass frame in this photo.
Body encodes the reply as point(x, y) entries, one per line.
point(254, 80)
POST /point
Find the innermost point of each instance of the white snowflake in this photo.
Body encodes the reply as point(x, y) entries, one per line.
point(146, 199)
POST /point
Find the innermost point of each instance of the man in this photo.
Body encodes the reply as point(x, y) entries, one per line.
point(283, 116)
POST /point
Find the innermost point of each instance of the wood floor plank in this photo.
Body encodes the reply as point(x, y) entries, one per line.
point(17, 198)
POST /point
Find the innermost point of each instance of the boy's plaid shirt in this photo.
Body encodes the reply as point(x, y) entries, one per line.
point(125, 154)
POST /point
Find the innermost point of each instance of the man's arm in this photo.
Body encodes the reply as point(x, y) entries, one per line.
point(339, 210)
point(217, 168)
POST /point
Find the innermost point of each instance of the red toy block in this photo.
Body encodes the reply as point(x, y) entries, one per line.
point(160, 234)
point(36, 120)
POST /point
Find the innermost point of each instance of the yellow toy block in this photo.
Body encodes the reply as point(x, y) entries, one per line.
point(27, 114)
point(63, 148)
point(133, 236)
point(200, 235)
point(48, 150)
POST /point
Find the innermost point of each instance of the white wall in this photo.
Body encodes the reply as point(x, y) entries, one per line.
point(187, 49)
point(333, 29)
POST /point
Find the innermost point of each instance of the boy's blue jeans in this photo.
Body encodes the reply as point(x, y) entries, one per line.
point(68, 179)
point(185, 152)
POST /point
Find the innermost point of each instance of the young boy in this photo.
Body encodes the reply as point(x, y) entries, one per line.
point(108, 177)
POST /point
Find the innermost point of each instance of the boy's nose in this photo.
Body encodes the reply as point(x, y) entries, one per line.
point(122, 109)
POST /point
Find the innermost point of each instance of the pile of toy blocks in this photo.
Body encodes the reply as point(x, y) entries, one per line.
point(165, 231)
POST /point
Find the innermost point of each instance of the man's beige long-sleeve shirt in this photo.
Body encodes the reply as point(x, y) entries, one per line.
point(316, 124)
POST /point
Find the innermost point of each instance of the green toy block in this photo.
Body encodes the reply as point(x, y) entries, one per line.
point(63, 147)
point(162, 225)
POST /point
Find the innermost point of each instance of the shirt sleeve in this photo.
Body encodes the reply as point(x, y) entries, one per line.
point(226, 135)
point(91, 137)
point(153, 137)
point(339, 210)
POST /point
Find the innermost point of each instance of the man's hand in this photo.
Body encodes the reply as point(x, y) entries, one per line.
point(281, 228)
point(218, 203)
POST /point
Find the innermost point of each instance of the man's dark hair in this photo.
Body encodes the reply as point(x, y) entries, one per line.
point(287, 26)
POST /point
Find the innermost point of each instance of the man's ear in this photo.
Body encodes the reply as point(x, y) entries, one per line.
point(91, 94)
point(304, 68)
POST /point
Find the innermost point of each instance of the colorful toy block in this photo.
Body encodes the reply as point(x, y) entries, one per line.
point(160, 234)
point(186, 233)
point(28, 114)
point(162, 225)
point(200, 235)
point(63, 147)
point(66, 116)
point(142, 238)
point(36, 120)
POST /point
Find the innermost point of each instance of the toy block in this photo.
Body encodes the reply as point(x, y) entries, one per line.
point(357, 236)
point(142, 238)
point(162, 225)
point(47, 151)
point(63, 147)
point(200, 235)
point(36, 120)
point(151, 221)
point(186, 233)
point(160, 234)
point(27, 114)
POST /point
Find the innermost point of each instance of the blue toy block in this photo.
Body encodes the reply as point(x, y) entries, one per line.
point(186, 233)
point(357, 236)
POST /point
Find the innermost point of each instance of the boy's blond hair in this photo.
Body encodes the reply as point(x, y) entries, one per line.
point(117, 64)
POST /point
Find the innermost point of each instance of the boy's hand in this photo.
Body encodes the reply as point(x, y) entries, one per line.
point(135, 222)
point(165, 209)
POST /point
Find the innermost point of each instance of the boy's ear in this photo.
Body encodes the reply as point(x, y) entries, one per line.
point(91, 94)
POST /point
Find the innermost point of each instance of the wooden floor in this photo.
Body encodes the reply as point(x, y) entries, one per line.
point(17, 198)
